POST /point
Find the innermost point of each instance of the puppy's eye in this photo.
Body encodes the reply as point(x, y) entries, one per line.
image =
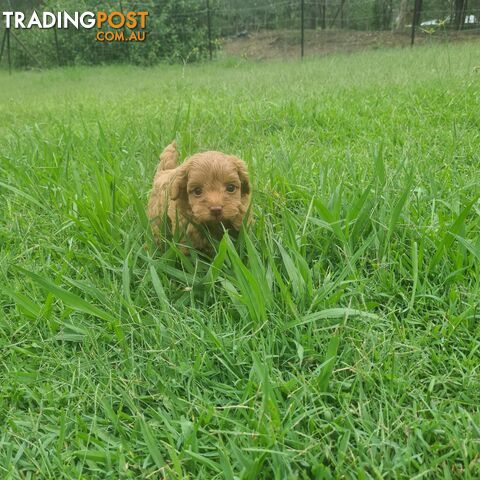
point(197, 191)
point(231, 187)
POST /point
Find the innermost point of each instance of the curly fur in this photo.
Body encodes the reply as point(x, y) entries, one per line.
point(210, 192)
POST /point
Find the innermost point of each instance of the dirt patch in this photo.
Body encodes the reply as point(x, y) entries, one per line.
point(286, 43)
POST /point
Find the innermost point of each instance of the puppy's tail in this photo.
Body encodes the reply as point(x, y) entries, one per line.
point(168, 158)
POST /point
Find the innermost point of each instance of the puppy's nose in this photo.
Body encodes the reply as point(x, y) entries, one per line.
point(216, 210)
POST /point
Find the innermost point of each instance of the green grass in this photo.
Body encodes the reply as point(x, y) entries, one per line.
point(339, 339)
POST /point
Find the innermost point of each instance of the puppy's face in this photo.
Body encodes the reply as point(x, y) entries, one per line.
point(212, 188)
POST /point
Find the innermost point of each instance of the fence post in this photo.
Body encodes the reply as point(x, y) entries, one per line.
point(127, 44)
point(9, 57)
point(340, 9)
point(57, 48)
point(209, 27)
point(416, 19)
point(2, 48)
point(324, 10)
point(302, 16)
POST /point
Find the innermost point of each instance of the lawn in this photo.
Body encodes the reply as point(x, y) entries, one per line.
point(340, 336)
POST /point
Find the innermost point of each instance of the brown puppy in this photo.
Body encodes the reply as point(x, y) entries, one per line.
point(210, 192)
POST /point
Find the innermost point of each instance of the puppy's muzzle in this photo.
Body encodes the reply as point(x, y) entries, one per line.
point(216, 211)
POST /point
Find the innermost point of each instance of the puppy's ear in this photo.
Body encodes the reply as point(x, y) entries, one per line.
point(243, 175)
point(179, 185)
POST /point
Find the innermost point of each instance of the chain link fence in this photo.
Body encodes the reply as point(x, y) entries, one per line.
point(316, 27)
point(201, 29)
